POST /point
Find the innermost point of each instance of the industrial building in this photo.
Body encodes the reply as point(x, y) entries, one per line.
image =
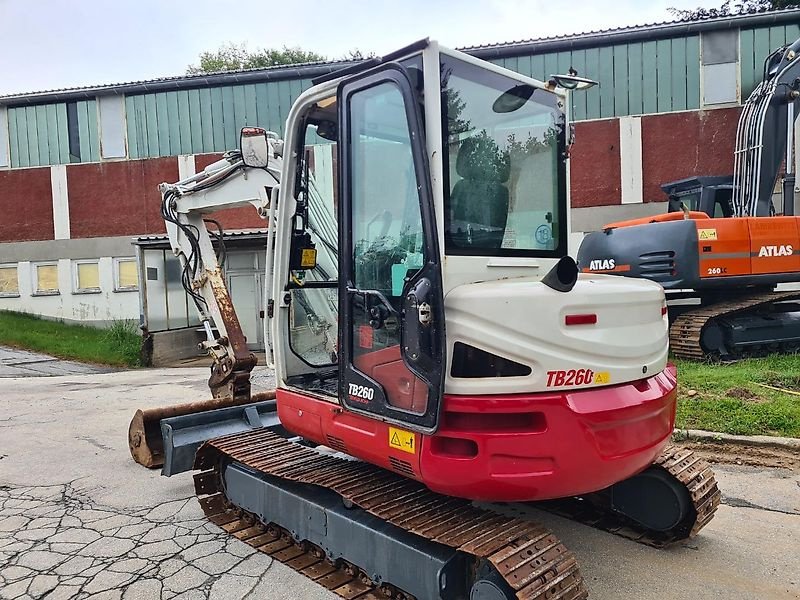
point(82, 238)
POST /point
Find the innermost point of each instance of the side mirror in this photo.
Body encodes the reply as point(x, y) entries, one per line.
point(572, 82)
point(255, 147)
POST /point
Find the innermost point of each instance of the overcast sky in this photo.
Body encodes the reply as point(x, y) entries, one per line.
point(48, 44)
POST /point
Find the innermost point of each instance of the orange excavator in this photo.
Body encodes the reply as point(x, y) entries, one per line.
point(721, 246)
point(433, 344)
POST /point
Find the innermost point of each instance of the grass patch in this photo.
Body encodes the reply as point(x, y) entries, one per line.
point(116, 346)
point(728, 398)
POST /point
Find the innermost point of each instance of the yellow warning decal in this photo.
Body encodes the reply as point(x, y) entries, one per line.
point(308, 259)
point(602, 377)
point(707, 234)
point(402, 440)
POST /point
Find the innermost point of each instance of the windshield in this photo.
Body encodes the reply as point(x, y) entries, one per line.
point(505, 188)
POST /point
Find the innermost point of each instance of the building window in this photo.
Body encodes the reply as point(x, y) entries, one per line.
point(87, 277)
point(9, 281)
point(45, 279)
point(720, 67)
point(126, 275)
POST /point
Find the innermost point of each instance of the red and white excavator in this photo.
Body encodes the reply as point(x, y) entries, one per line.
point(433, 343)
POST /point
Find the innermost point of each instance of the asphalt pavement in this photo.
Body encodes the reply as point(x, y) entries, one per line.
point(79, 519)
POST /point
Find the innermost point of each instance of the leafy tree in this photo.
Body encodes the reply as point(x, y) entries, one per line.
point(232, 57)
point(728, 8)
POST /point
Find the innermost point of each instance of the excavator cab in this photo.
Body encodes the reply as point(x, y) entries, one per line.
point(710, 195)
point(492, 144)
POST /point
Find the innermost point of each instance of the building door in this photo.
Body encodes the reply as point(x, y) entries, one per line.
point(246, 289)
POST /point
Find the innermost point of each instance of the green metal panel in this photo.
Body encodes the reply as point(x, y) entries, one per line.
point(664, 75)
point(94, 136)
point(563, 62)
point(524, 66)
point(285, 99)
point(228, 119)
point(13, 137)
point(693, 72)
point(54, 156)
point(593, 94)
point(184, 123)
point(649, 77)
point(250, 108)
point(131, 126)
point(579, 98)
point(747, 62)
point(550, 65)
point(173, 128)
point(262, 105)
point(151, 129)
point(163, 125)
point(42, 135)
point(143, 125)
point(239, 113)
point(537, 67)
point(511, 63)
point(678, 73)
point(195, 123)
point(761, 49)
point(207, 120)
point(635, 87)
point(83, 132)
point(33, 148)
point(218, 119)
point(296, 89)
point(606, 79)
point(621, 82)
point(777, 37)
point(63, 135)
point(274, 107)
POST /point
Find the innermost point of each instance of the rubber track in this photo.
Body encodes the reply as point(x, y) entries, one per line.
point(687, 330)
point(686, 467)
point(530, 558)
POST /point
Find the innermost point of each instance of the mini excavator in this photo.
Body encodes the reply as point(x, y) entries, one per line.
point(721, 243)
point(433, 343)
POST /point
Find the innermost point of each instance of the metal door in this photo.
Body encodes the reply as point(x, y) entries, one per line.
point(391, 326)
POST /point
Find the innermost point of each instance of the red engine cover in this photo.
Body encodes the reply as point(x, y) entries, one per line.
point(509, 447)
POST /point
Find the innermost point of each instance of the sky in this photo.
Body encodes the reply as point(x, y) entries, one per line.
point(51, 44)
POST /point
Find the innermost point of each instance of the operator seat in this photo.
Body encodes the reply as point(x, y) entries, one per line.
point(479, 201)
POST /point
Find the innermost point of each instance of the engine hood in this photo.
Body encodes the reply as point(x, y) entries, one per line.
point(524, 321)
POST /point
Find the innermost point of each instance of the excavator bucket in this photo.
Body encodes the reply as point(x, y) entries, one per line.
point(145, 431)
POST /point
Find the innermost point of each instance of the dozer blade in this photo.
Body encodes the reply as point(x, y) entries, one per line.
point(144, 433)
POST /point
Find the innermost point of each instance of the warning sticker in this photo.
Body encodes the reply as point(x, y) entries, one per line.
point(602, 377)
point(402, 440)
point(707, 234)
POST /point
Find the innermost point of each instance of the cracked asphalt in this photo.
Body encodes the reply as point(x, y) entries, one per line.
point(79, 519)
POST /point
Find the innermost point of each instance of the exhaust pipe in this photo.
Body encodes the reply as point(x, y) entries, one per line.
point(563, 275)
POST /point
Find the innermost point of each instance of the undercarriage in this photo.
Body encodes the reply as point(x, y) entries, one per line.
point(364, 532)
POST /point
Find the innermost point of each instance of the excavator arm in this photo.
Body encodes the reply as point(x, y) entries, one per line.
point(765, 134)
point(249, 176)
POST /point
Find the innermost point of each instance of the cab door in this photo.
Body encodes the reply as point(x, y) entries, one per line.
point(391, 325)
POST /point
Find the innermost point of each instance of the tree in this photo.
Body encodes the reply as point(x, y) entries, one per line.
point(740, 7)
point(233, 57)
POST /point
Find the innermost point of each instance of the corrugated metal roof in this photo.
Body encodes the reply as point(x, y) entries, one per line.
point(234, 235)
point(491, 50)
point(634, 32)
point(175, 82)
